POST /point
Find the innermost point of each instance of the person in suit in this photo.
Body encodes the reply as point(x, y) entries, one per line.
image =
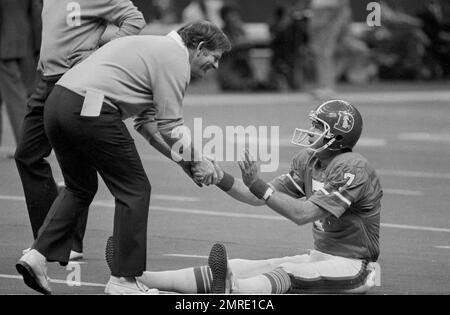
point(19, 42)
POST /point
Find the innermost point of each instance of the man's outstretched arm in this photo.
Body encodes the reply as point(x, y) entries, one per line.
point(252, 190)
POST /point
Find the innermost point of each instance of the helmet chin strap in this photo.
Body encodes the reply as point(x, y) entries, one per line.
point(324, 147)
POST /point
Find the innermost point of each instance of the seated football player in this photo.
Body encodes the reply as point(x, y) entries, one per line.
point(328, 185)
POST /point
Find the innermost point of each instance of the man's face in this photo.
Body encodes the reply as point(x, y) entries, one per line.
point(204, 60)
point(316, 129)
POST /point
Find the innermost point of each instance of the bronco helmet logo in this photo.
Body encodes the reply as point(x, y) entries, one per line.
point(345, 122)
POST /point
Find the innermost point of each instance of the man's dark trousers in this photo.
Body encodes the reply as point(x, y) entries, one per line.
point(83, 147)
point(35, 173)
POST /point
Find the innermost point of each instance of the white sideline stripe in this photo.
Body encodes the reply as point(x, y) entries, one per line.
point(413, 174)
point(110, 204)
point(424, 136)
point(415, 227)
point(188, 256)
point(157, 197)
point(285, 141)
point(402, 192)
point(242, 99)
point(280, 218)
point(86, 284)
point(443, 247)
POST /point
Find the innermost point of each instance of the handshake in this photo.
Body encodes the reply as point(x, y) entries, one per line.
point(206, 172)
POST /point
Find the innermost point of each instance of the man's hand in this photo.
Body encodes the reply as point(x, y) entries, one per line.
point(218, 169)
point(187, 168)
point(249, 169)
point(204, 172)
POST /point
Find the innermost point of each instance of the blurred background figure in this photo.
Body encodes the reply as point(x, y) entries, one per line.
point(289, 40)
point(329, 19)
point(236, 71)
point(436, 26)
point(164, 12)
point(203, 10)
point(399, 45)
point(20, 29)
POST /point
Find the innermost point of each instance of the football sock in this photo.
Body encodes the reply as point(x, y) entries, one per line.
point(203, 279)
point(279, 281)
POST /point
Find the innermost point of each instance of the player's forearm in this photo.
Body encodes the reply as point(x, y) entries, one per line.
point(298, 211)
point(236, 189)
point(240, 192)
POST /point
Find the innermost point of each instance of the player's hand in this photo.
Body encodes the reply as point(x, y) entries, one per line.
point(249, 169)
point(186, 166)
point(204, 172)
point(218, 169)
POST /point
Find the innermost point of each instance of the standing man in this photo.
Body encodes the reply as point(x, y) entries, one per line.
point(144, 77)
point(71, 31)
point(19, 43)
point(329, 20)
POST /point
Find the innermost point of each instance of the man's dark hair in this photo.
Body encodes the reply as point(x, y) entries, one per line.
point(207, 32)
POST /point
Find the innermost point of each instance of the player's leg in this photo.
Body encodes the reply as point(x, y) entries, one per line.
point(322, 274)
point(224, 281)
point(333, 274)
point(199, 279)
point(245, 268)
point(188, 280)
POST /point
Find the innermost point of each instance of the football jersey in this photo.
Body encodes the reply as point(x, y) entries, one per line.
point(349, 189)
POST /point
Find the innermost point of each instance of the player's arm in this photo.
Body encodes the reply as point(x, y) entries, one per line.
point(236, 188)
point(297, 210)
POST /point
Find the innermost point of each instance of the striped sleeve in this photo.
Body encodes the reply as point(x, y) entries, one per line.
point(293, 182)
point(343, 187)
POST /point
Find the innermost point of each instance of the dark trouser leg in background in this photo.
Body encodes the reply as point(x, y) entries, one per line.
point(14, 93)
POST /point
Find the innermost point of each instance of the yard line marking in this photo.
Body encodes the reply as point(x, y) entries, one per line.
point(110, 204)
point(175, 198)
point(86, 284)
point(157, 197)
point(280, 218)
point(424, 136)
point(12, 198)
point(188, 256)
point(285, 141)
point(443, 247)
point(415, 227)
point(402, 192)
point(241, 99)
point(395, 173)
point(413, 174)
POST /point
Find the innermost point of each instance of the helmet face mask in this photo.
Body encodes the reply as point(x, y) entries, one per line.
point(302, 137)
point(336, 124)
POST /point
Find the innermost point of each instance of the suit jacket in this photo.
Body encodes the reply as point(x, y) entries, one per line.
point(20, 28)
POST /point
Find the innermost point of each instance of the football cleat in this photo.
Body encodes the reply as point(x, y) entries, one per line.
point(218, 263)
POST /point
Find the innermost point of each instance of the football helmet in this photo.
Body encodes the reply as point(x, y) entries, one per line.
point(340, 124)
